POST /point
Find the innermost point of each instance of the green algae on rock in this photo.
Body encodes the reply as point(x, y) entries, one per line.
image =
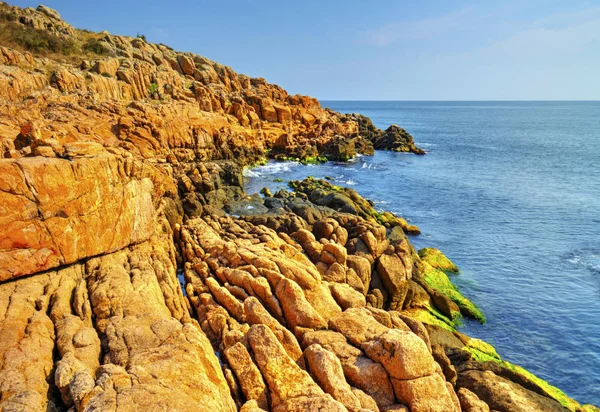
point(484, 352)
point(347, 200)
point(439, 281)
point(437, 259)
point(488, 359)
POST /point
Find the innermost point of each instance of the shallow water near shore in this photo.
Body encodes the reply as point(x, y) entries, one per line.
point(510, 191)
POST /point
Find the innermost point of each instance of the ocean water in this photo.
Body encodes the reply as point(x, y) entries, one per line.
point(510, 191)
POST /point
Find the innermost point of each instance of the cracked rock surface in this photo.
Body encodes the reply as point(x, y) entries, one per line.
point(134, 276)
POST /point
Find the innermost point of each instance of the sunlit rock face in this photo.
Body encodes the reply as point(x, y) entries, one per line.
point(121, 182)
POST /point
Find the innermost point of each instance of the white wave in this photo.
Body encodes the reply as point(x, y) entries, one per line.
point(271, 168)
point(351, 182)
point(587, 258)
point(251, 173)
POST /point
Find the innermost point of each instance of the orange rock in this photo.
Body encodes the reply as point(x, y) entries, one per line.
point(428, 393)
point(327, 370)
point(55, 212)
point(248, 375)
point(403, 354)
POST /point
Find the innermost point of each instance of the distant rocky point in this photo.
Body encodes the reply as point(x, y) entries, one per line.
point(137, 275)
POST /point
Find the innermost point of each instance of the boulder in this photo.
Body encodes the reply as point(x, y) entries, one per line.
point(327, 370)
point(403, 354)
point(425, 394)
point(469, 402)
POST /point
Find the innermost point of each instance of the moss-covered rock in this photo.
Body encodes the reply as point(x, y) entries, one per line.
point(437, 259)
point(266, 192)
point(484, 352)
point(438, 280)
point(346, 200)
point(429, 315)
point(314, 160)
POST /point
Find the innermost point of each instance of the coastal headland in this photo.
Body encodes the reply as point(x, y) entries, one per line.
point(137, 275)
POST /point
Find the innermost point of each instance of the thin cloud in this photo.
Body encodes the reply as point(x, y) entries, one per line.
point(417, 29)
point(552, 37)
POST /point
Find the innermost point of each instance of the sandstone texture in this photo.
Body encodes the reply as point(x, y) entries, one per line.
point(134, 276)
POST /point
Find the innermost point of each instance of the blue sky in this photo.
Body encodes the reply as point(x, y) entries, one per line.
point(377, 50)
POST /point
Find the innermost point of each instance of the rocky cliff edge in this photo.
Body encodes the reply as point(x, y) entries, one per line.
point(130, 280)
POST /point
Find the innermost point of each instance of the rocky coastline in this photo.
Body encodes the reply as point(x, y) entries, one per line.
point(121, 176)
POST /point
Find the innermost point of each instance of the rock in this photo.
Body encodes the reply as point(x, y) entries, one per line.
point(39, 233)
point(286, 381)
point(251, 406)
point(346, 297)
point(362, 267)
point(403, 354)
point(439, 281)
point(447, 368)
point(396, 139)
point(503, 395)
point(366, 402)
point(428, 393)
point(29, 135)
point(370, 377)
point(298, 312)
point(257, 314)
point(53, 14)
point(81, 149)
point(469, 402)
point(107, 67)
point(122, 189)
point(437, 260)
point(248, 375)
point(394, 275)
point(327, 370)
point(357, 325)
point(323, 403)
point(186, 64)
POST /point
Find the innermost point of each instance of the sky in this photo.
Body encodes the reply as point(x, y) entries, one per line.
point(376, 50)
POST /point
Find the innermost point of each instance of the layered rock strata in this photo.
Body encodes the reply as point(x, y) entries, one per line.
point(125, 284)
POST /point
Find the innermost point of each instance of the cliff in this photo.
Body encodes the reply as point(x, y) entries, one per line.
point(125, 284)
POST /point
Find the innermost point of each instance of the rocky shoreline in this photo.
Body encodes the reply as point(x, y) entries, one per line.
point(122, 166)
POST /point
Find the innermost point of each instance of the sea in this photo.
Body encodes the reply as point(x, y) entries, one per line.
point(510, 191)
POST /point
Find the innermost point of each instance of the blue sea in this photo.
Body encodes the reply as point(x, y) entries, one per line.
point(510, 191)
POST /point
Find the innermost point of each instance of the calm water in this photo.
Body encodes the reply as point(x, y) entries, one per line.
point(511, 192)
